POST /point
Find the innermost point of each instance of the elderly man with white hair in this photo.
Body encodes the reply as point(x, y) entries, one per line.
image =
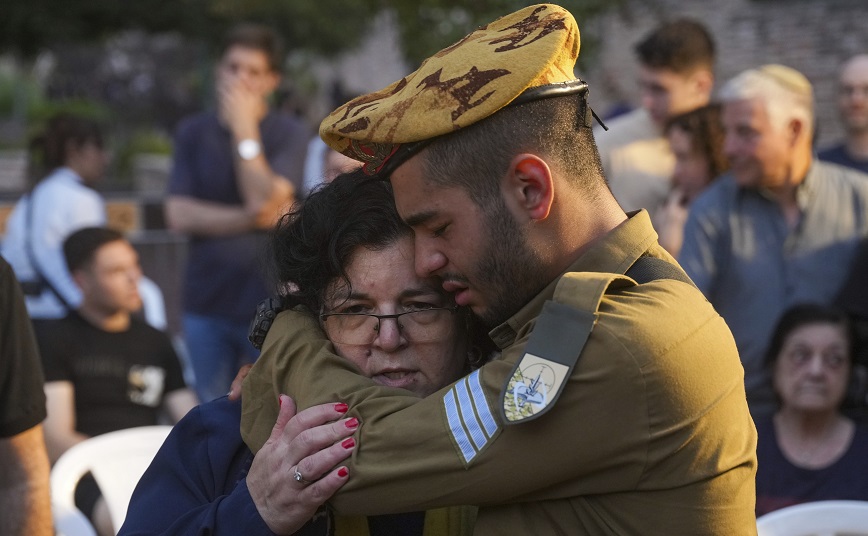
point(781, 227)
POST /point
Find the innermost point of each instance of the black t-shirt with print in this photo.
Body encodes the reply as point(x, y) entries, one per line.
point(120, 379)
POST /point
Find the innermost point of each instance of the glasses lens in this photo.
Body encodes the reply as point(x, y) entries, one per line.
point(426, 325)
point(351, 329)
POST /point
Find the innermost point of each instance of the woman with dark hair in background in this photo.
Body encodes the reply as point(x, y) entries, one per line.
point(71, 150)
point(809, 450)
point(696, 139)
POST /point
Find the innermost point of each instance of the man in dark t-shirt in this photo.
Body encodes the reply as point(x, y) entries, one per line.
point(105, 369)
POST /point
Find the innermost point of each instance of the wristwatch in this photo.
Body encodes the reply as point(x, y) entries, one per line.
point(249, 149)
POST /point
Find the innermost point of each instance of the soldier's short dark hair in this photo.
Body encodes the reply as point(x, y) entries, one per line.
point(476, 157)
point(257, 37)
point(681, 45)
point(80, 247)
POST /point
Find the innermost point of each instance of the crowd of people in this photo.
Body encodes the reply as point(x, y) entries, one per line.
point(492, 315)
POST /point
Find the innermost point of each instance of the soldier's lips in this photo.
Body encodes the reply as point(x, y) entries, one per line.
point(460, 292)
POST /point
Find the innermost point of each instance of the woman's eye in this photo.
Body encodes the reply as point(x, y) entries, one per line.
point(419, 306)
point(800, 355)
point(354, 309)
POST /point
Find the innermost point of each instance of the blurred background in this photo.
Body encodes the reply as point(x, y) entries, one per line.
point(140, 66)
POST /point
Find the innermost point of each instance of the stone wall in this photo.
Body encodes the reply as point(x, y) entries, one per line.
point(813, 36)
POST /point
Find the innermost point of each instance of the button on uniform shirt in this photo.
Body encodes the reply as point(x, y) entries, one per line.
point(740, 252)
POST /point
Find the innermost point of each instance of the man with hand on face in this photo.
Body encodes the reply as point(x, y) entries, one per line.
point(235, 172)
point(617, 403)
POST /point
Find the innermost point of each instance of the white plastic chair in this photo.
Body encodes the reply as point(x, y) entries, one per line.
point(70, 521)
point(117, 461)
point(820, 518)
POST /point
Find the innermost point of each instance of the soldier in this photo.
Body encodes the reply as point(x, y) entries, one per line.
point(617, 403)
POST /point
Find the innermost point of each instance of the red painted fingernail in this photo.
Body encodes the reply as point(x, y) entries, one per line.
point(280, 402)
point(340, 407)
point(348, 443)
point(352, 424)
point(343, 471)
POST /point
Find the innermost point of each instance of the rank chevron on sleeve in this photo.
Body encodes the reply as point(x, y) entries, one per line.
point(470, 419)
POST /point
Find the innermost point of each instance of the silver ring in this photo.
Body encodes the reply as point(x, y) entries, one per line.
point(299, 478)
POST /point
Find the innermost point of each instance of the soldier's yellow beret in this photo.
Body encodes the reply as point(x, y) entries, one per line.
point(528, 54)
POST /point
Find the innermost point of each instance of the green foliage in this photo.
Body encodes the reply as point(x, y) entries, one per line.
point(324, 26)
point(41, 111)
point(141, 141)
point(430, 25)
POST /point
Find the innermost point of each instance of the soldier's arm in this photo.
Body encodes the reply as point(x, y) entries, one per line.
point(451, 447)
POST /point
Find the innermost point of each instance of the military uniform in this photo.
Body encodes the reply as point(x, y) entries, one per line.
point(651, 434)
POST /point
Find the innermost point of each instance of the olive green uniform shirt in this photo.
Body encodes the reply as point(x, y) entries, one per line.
point(651, 434)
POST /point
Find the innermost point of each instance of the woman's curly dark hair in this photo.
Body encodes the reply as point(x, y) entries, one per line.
point(312, 245)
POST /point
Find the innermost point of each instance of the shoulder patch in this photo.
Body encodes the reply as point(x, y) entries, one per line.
point(552, 352)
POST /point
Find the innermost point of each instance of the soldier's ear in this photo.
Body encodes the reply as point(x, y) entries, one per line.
point(529, 186)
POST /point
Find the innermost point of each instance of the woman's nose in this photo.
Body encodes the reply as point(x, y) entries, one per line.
point(389, 336)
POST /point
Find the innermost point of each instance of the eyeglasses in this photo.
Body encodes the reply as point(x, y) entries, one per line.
point(420, 325)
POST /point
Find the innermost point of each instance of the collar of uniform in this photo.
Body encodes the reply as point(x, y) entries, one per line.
point(613, 253)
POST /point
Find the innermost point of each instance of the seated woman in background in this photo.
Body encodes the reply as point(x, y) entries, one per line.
point(809, 451)
point(346, 254)
point(696, 140)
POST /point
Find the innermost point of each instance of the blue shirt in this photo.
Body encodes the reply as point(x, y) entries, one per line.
point(197, 485)
point(741, 254)
point(224, 276)
point(838, 154)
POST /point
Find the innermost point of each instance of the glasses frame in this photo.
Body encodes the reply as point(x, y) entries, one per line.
point(324, 316)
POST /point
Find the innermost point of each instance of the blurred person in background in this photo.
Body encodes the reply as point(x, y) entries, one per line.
point(853, 110)
point(236, 169)
point(781, 227)
point(105, 369)
point(696, 139)
point(676, 75)
point(810, 451)
point(72, 149)
point(25, 505)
